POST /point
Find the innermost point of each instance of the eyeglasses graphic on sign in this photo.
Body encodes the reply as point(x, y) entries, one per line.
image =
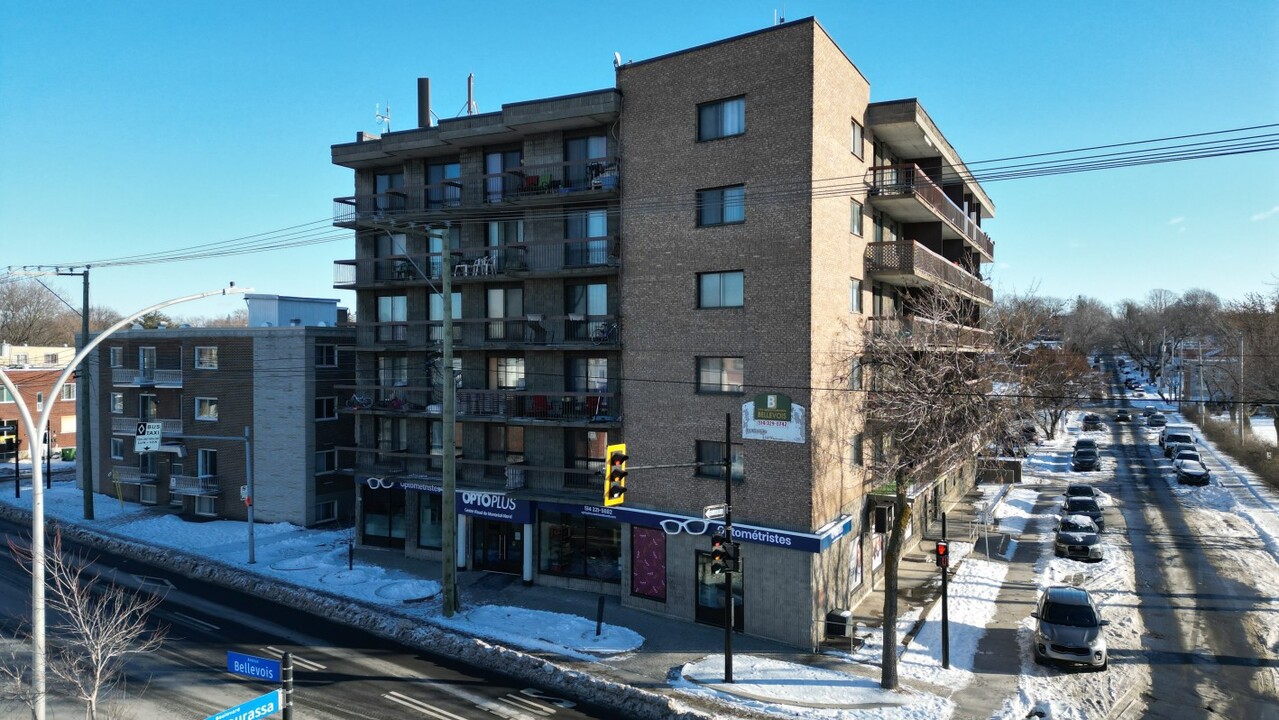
point(692, 526)
point(378, 483)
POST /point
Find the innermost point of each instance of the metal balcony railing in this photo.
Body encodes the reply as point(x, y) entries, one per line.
point(910, 179)
point(129, 425)
point(517, 405)
point(924, 334)
point(194, 485)
point(909, 258)
point(146, 377)
point(546, 182)
point(129, 475)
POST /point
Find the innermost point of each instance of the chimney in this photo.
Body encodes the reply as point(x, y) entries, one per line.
point(424, 102)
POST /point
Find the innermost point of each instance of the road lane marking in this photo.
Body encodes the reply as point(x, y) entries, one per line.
point(521, 704)
point(303, 662)
point(424, 708)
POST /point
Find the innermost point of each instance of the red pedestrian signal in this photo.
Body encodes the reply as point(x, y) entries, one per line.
point(943, 554)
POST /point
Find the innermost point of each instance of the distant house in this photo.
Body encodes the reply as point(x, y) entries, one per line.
point(206, 387)
point(34, 369)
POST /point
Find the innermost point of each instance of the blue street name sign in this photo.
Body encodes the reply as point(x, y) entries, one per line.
point(254, 667)
point(258, 707)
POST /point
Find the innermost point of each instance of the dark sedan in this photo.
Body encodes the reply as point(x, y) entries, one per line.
point(1084, 506)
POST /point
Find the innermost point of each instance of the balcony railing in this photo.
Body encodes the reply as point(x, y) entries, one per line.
point(542, 183)
point(923, 334)
point(485, 474)
point(129, 425)
point(906, 258)
point(194, 485)
point(146, 377)
point(910, 179)
point(129, 475)
point(517, 405)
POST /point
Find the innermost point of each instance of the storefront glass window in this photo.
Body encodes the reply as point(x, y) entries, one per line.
point(383, 517)
point(710, 595)
point(577, 546)
point(430, 522)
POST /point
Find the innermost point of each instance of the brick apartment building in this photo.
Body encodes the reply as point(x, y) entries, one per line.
point(34, 369)
point(710, 234)
point(206, 385)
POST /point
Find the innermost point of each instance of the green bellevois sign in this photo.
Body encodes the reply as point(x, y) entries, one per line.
point(772, 407)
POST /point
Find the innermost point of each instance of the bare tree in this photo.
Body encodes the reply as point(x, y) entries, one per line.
point(1055, 380)
point(930, 406)
point(15, 669)
point(1087, 326)
point(96, 624)
point(29, 313)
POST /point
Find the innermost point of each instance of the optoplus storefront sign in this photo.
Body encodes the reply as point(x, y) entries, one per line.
point(494, 506)
point(806, 542)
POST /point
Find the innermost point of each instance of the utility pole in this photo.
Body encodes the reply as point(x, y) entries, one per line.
point(728, 539)
point(1241, 406)
point(448, 502)
point(84, 423)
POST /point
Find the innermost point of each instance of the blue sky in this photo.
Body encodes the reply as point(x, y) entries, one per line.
point(131, 127)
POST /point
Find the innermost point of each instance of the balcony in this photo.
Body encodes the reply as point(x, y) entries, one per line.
point(908, 194)
point(529, 185)
point(906, 262)
point(146, 377)
point(129, 426)
point(194, 485)
point(131, 475)
point(575, 483)
point(574, 256)
point(540, 407)
point(922, 334)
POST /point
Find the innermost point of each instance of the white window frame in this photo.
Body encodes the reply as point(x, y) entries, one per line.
point(855, 304)
point(323, 351)
point(206, 505)
point(206, 417)
point(117, 403)
point(326, 511)
point(326, 461)
point(115, 356)
point(202, 363)
point(117, 448)
point(68, 391)
point(6, 396)
point(326, 408)
point(857, 224)
point(146, 493)
point(857, 140)
point(39, 401)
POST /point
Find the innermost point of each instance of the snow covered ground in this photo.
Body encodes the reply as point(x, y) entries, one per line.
point(1236, 504)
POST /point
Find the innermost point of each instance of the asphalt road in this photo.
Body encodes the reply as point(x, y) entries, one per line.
point(340, 673)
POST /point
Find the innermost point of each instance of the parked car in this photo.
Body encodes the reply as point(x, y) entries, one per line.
point(1081, 490)
point(1068, 628)
point(1092, 421)
point(1190, 469)
point(1077, 538)
point(1148, 411)
point(1084, 442)
point(1156, 421)
point(1184, 428)
point(1084, 506)
point(1172, 449)
point(1123, 416)
point(1085, 459)
point(1178, 438)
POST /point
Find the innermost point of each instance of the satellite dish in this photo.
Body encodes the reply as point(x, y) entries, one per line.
point(617, 60)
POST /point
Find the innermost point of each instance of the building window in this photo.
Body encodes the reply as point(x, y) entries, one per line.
point(430, 521)
point(390, 191)
point(206, 463)
point(326, 461)
point(856, 210)
point(574, 545)
point(326, 511)
point(443, 185)
point(20, 358)
point(206, 408)
point(5, 395)
point(648, 563)
point(206, 358)
point(39, 401)
point(502, 233)
point(505, 302)
point(117, 403)
point(326, 408)
point(720, 374)
point(855, 457)
point(587, 233)
point(855, 375)
point(392, 316)
point(117, 448)
point(115, 357)
point(68, 391)
point(206, 505)
point(720, 119)
point(50, 358)
point(711, 455)
point(500, 178)
point(854, 295)
point(858, 139)
point(721, 206)
point(326, 355)
point(67, 424)
point(721, 289)
point(506, 373)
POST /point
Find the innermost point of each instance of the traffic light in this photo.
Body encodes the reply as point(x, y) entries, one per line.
point(615, 475)
point(943, 554)
point(723, 554)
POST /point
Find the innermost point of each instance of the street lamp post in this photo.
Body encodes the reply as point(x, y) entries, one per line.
point(35, 443)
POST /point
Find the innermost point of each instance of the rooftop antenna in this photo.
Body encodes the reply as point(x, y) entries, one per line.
point(471, 107)
point(383, 120)
point(617, 60)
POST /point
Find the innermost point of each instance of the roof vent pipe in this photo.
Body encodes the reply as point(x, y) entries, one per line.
point(424, 102)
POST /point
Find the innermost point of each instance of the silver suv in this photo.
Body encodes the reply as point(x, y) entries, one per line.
point(1068, 628)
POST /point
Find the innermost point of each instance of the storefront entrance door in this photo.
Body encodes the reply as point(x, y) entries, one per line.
point(710, 595)
point(497, 546)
